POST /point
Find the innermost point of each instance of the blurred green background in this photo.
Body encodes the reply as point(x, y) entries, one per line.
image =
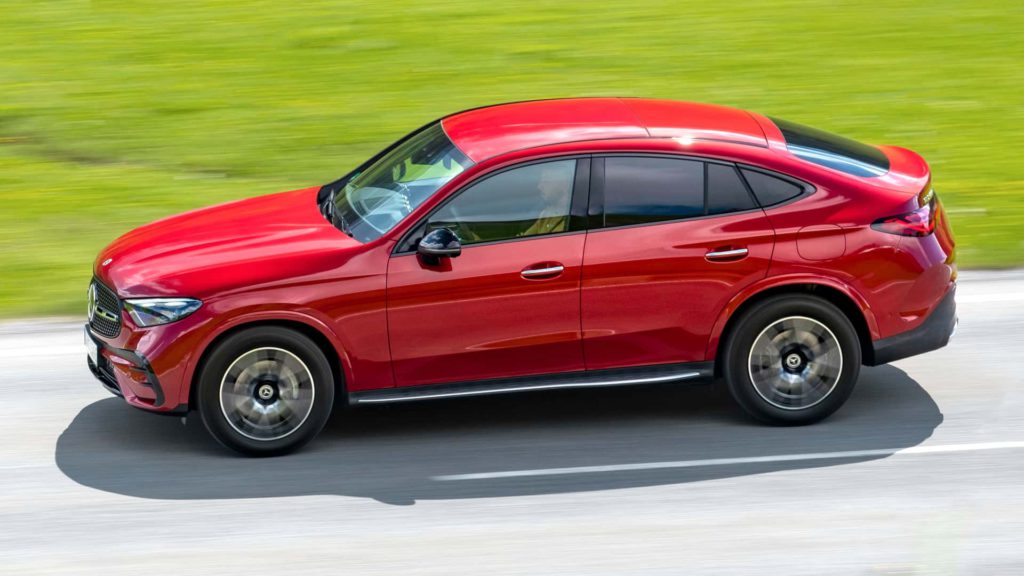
point(115, 113)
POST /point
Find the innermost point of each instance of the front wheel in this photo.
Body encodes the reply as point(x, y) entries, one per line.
point(265, 391)
point(792, 360)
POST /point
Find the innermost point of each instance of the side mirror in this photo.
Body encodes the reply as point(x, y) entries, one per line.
point(438, 243)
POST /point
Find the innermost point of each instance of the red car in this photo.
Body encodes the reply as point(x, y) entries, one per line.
point(533, 246)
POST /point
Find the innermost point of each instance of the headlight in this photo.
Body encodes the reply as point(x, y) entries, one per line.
point(156, 311)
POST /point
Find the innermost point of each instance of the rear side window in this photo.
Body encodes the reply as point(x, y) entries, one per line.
point(726, 192)
point(641, 190)
point(769, 189)
point(831, 150)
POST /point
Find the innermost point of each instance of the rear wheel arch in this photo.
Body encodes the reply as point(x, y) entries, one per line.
point(322, 341)
point(846, 304)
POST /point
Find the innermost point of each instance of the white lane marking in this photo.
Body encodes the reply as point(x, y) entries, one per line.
point(41, 352)
point(988, 298)
point(938, 449)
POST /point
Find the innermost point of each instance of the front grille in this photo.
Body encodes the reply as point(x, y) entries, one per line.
point(104, 310)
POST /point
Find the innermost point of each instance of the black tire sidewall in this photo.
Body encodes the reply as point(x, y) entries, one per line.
point(754, 321)
point(227, 351)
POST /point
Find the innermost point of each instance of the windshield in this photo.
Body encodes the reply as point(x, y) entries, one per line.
point(374, 200)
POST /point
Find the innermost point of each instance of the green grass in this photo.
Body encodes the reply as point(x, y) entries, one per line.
point(114, 113)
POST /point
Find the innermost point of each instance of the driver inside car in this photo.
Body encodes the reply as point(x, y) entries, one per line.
point(555, 188)
point(545, 211)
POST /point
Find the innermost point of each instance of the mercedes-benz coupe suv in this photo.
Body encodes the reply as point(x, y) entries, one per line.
point(535, 246)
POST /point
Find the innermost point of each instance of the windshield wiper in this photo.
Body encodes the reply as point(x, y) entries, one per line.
point(337, 219)
point(343, 225)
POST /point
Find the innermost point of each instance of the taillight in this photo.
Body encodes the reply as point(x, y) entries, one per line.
point(920, 222)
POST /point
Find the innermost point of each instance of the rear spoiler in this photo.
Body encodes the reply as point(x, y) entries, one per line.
point(908, 171)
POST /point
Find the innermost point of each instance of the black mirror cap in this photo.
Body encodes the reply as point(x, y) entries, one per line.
point(440, 242)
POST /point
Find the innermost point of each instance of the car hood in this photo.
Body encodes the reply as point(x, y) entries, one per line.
point(239, 245)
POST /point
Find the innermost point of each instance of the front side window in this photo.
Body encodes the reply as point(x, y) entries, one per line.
point(531, 200)
point(643, 190)
point(373, 201)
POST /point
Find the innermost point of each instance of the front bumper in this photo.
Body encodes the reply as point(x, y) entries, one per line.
point(127, 374)
point(932, 334)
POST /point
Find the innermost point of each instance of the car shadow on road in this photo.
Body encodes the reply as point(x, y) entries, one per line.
point(394, 453)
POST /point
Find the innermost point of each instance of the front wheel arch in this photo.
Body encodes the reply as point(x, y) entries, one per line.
point(318, 338)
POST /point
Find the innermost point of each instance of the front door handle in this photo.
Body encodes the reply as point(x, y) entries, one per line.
point(726, 255)
point(545, 272)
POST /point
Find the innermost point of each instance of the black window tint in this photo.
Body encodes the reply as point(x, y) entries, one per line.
point(769, 189)
point(527, 201)
point(726, 192)
point(644, 190)
point(836, 152)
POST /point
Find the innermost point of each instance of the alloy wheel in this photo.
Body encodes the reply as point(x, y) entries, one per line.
point(795, 363)
point(267, 393)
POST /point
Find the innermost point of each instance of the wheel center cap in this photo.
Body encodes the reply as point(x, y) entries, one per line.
point(793, 361)
point(265, 392)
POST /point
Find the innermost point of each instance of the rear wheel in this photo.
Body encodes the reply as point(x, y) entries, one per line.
point(792, 360)
point(265, 391)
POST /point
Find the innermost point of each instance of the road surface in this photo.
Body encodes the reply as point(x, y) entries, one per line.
point(922, 472)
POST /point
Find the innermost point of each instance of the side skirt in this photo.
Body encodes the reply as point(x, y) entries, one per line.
point(693, 371)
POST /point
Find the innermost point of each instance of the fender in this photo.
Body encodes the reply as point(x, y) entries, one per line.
point(309, 318)
point(780, 281)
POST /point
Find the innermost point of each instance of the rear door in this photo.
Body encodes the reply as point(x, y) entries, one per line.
point(671, 241)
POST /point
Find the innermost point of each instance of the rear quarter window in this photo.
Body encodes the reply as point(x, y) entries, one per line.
point(769, 189)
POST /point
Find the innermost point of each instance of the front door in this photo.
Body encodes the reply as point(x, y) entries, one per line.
point(509, 305)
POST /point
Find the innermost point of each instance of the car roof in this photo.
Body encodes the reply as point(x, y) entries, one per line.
point(490, 131)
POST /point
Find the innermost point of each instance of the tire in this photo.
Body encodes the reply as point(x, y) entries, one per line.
point(265, 391)
point(792, 360)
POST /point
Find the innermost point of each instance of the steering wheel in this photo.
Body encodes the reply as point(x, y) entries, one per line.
point(464, 233)
point(394, 207)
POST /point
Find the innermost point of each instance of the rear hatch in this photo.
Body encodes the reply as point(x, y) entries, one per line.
point(909, 173)
point(891, 168)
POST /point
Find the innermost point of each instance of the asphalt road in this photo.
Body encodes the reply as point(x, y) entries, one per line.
point(922, 472)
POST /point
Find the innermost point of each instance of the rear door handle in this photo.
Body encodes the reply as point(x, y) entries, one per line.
point(545, 272)
point(723, 255)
